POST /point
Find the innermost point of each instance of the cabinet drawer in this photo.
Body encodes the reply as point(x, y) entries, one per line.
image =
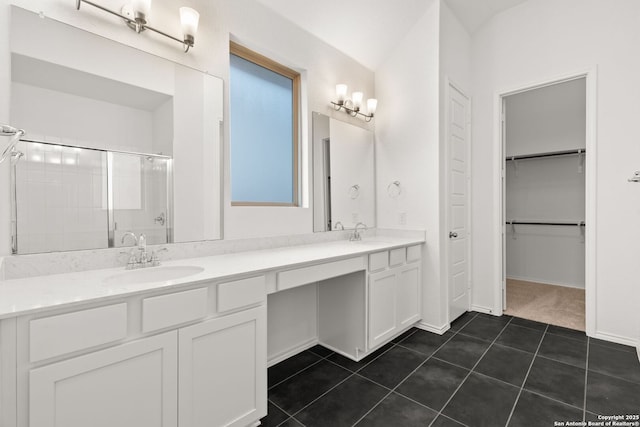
point(315, 273)
point(173, 309)
point(65, 333)
point(241, 293)
point(378, 261)
point(414, 253)
point(397, 257)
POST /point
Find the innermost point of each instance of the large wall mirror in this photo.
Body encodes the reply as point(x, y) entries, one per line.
point(117, 140)
point(343, 175)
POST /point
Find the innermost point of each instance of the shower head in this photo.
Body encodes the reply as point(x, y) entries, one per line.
point(6, 130)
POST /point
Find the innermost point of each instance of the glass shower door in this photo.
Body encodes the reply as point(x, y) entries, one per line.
point(139, 191)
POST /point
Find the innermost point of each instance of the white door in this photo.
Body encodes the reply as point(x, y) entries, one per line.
point(223, 370)
point(131, 385)
point(458, 208)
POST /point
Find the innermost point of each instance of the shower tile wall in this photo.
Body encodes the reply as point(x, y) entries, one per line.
point(63, 205)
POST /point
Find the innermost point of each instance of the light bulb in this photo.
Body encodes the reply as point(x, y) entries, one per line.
point(372, 104)
point(189, 19)
point(141, 6)
point(356, 97)
point(341, 93)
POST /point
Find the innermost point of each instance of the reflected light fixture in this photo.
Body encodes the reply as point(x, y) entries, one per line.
point(353, 105)
point(136, 13)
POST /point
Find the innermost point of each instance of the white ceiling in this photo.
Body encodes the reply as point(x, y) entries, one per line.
point(367, 30)
point(474, 13)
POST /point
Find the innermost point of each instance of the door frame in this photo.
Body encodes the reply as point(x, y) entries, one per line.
point(447, 199)
point(590, 75)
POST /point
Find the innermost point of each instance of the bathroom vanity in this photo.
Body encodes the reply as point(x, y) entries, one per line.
point(185, 344)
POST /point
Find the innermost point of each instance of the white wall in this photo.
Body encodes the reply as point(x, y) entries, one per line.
point(76, 120)
point(407, 148)
point(540, 40)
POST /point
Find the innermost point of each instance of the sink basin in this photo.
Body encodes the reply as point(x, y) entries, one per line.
point(152, 274)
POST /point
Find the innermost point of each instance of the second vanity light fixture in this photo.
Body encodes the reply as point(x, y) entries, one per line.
point(353, 105)
point(135, 15)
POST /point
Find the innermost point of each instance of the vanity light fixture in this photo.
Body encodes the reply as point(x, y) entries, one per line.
point(353, 105)
point(135, 15)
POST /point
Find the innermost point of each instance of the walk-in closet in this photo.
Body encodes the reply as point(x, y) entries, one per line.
point(544, 203)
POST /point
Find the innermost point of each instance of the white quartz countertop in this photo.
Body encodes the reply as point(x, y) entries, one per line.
point(33, 294)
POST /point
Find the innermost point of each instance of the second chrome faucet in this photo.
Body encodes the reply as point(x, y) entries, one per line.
point(142, 258)
point(356, 236)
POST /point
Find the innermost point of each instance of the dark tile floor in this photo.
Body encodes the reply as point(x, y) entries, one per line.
point(485, 371)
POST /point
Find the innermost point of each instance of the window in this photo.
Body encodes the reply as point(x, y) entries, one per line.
point(264, 130)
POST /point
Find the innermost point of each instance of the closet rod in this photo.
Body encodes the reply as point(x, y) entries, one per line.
point(581, 224)
point(550, 154)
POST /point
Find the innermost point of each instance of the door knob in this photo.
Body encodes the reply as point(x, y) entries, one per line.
point(453, 234)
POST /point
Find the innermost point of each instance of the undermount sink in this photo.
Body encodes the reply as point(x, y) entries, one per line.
point(152, 274)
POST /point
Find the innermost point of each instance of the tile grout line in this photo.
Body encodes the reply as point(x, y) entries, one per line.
point(454, 333)
point(352, 373)
point(586, 372)
point(322, 358)
point(513, 408)
point(470, 372)
point(296, 373)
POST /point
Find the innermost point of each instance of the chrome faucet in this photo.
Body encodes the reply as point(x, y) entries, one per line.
point(142, 259)
point(338, 224)
point(356, 237)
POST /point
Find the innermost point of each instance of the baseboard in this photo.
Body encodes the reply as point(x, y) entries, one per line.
point(435, 329)
point(638, 350)
point(618, 339)
point(485, 310)
point(545, 282)
point(292, 351)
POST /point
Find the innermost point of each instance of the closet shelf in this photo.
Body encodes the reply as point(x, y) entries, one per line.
point(574, 224)
point(578, 151)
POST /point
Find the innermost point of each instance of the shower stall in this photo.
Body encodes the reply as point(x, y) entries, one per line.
point(72, 198)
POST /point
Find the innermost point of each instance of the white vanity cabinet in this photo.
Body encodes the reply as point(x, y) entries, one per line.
point(223, 370)
point(188, 358)
point(394, 293)
point(130, 385)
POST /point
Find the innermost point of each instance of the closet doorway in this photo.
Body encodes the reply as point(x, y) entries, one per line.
point(544, 137)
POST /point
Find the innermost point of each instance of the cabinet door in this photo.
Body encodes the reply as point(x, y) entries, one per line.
point(382, 307)
point(131, 385)
point(408, 295)
point(223, 370)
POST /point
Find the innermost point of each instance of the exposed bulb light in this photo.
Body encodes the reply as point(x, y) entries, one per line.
point(136, 13)
point(353, 105)
point(341, 93)
point(143, 6)
point(372, 105)
point(356, 97)
point(189, 19)
point(141, 9)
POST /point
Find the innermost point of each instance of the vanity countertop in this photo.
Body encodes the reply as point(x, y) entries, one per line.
point(33, 294)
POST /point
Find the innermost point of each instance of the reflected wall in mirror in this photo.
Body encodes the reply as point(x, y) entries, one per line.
point(343, 175)
point(117, 140)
